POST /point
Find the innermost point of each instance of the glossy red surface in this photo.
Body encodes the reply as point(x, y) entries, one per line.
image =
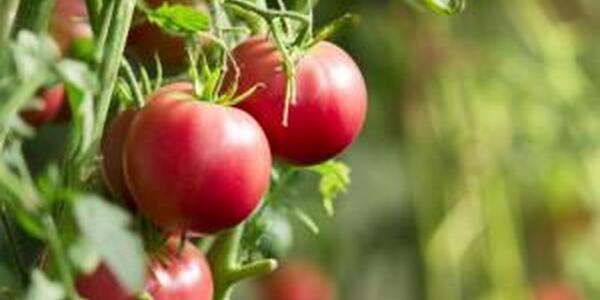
point(195, 165)
point(328, 112)
point(112, 147)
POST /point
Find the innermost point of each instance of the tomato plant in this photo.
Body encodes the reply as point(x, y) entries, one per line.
point(195, 165)
point(329, 107)
point(187, 147)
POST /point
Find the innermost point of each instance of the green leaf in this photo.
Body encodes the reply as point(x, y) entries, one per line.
point(334, 27)
point(44, 289)
point(335, 179)
point(105, 226)
point(33, 54)
point(180, 19)
point(84, 256)
point(80, 83)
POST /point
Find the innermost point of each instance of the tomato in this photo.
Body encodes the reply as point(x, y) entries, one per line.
point(51, 103)
point(69, 22)
point(298, 280)
point(173, 275)
point(194, 165)
point(112, 144)
point(328, 112)
point(146, 39)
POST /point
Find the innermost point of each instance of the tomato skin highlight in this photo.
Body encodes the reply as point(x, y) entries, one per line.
point(329, 109)
point(175, 275)
point(196, 166)
point(298, 280)
point(112, 146)
point(52, 102)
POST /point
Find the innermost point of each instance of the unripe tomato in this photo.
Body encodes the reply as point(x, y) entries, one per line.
point(112, 144)
point(146, 39)
point(328, 111)
point(51, 104)
point(173, 275)
point(298, 280)
point(69, 22)
point(194, 165)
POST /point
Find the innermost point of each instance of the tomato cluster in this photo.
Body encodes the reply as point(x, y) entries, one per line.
point(195, 165)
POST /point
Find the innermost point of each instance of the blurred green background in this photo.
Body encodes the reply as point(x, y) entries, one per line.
point(477, 174)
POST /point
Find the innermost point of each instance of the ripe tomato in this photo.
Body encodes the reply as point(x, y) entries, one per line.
point(173, 275)
point(51, 104)
point(328, 112)
point(146, 39)
point(69, 22)
point(112, 144)
point(298, 280)
point(193, 165)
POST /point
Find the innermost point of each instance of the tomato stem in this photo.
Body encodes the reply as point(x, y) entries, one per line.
point(35, 15)
point(112, 55)
point(58, 253)
point(138, 97)
point(94, 13)
point(226, 268)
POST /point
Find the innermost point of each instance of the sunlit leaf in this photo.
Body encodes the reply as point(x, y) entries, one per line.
point(335, 179)
point(44, 289)
point(105, 226)
point(179, 19)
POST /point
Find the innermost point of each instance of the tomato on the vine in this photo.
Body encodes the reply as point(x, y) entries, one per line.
point(194, 165)
point(298, 280)
point(328, 111)
point(51, 103)
point(172, 274)
point(112, 145)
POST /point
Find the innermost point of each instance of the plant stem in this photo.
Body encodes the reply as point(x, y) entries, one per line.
point(269, 14)
point(14, 247)
point(58, 254)
point(138, 96)
point(8, 10)
point(111, 61)
point(102, 31)
point(35, 15)
point(227, 270)
point(94, 8)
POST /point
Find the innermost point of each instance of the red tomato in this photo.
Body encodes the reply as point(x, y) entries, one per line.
point(51, 104)
point(193, 165)
point(328, 112)
point(146, 39)
point(298, 280)
point(69, 22)
point(113, 142)
point(175, 275)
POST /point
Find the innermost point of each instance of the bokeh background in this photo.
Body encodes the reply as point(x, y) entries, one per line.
point(477, 175)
